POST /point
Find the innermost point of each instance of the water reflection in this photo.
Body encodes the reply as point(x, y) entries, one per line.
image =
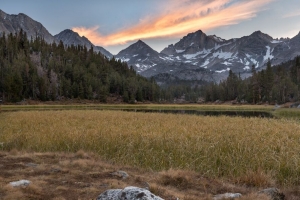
point(208, 113)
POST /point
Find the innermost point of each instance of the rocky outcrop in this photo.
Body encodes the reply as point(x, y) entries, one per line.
point(132, 193)
point(273, 193)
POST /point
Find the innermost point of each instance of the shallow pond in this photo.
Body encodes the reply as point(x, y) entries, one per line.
point(208, 113)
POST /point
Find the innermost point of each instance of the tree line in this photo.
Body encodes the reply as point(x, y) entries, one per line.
point(278, 84)
point(34, 69)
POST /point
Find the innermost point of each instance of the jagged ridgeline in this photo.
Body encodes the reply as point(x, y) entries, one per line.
point(34, 69)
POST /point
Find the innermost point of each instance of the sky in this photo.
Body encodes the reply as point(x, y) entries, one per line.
point(116, 24)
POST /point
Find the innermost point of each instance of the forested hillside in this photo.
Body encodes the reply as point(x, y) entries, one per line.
point(277, 84)
point(34, 69)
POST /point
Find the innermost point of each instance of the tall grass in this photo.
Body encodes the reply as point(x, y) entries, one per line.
point(214, 146)
point(139, 106)
point(289, 113)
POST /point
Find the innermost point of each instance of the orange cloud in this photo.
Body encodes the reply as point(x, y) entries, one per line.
point(181, 17)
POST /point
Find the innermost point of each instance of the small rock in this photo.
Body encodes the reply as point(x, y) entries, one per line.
point(227, 196)
point(133, 193)
point(20, 183)
point(120, 174)
point(55, 170)
point(274, 193)
point(31, 165)
point(277, 106)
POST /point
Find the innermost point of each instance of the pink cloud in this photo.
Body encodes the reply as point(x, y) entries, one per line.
point(180, 17)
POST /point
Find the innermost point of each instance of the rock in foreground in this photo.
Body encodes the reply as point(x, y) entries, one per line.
point(274, 193)
point(133, 193)
point(20, 183)
point(227, 196)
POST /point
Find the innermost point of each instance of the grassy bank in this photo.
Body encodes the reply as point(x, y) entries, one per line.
point(288, 113)
point(139, 106)
point(248, 150)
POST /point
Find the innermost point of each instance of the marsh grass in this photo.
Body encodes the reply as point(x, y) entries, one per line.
point(289, 113)
point(235, 148)
point(138, 106)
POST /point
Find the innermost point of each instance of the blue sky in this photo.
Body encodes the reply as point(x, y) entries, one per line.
point(115, 24)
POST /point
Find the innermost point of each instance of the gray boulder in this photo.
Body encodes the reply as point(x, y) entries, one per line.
point(227, 196)
point(109, 195)
point(132, 193)
point(274, 193)
point(20, 183)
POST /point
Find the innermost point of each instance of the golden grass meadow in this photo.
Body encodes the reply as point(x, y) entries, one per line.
point(250, 151)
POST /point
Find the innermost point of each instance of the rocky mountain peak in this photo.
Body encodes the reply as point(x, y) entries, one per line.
point(139, 47)
point(69, 31)
point(193, 43)
point(140, 44)
point(14, 23)
point(261, 35)
point(69, 37)
point(140, 56)
point(295, 41)
point(2, 14)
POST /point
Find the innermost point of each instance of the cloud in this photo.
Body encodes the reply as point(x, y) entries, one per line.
point(180, 17)
point(294, 14)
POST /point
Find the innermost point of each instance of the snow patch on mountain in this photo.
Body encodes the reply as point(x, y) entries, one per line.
point(224, 55)
point(204, 65)
point(246, 68)
point(226, 63)
point(221, 71)
point(179, 51)
point(143, 67)
point(203, 54)
point(275, 41)
point(268, 54)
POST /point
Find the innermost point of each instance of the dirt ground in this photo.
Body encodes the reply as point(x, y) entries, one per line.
point(81, 175)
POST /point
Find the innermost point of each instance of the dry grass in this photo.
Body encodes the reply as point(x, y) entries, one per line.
point(251, 151)
point(69, 181)
point(56, 177)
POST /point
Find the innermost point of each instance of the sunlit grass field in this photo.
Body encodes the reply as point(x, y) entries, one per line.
point(249, 150)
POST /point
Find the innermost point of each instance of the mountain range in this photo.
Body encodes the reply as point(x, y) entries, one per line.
point(196, 57)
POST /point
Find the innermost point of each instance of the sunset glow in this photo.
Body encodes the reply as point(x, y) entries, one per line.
point(181, 17)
